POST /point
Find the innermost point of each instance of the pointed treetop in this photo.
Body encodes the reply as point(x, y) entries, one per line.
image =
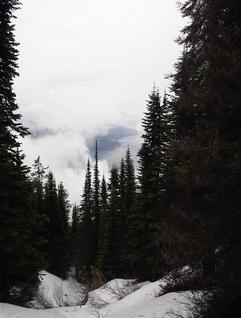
point(165, 98)
point(103, 184)
point(96, 151)
point(155, 89)
point(128, 152)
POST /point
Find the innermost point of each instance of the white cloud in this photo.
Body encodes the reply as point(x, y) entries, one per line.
point(86, 65)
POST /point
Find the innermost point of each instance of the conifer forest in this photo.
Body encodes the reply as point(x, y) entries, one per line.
point(177, 205)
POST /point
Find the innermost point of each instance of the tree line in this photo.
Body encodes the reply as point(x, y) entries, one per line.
point(115, 225)
point(181, 207)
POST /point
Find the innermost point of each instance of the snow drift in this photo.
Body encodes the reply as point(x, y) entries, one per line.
point(117, 299)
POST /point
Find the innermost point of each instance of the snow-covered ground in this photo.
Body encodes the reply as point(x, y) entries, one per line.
point(55, 292)
point(116, 299)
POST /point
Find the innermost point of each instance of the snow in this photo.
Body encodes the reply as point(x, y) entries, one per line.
point(111, 292)
point(55, 292)
point(117, 299)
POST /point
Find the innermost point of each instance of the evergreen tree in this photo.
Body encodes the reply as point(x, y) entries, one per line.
point(103, 226)
point(122, 217)
point(87, 244)
point(52, 228)
point(75, 238)
point(96, 203)
point(204, 222)
point(37, 176)
point(109, 259)
point(64, 207)
point(146, 253)
point(19, 254)
point(152, 155)
point(21, 258)
point(206, 105)
point(104, 194)
point(130, 182)
point(122, 184)
point(129, 202)
point(56, 227)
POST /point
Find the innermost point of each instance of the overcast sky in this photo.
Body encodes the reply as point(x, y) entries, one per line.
point(86, 68)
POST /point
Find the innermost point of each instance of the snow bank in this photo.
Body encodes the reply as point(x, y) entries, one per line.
point(55, 292)
point(119, 298)
point(11, 311)
point(111, 292)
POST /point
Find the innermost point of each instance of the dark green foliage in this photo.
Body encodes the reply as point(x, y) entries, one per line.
point(20, 259)
point(130, 182)
point(122, 188)
point(75, 238)
point(128, 203)
point(205, 218)
point(109, 256)
point(10, 125)
point(52, 224)
point(146, 256)
point(64, 209)
point(87, 242)
point(103, 226)
point(96, 202)
point(207, 149)
point(20, 256)
point(112, 259)
point(37, 177)
point(122, 218)
point(57, 209)
point(115, 230)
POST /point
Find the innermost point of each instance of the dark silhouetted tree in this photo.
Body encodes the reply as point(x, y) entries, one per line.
point(96, 203)
point(19, 254)
point(56, 207)
point(87, 241)
point(146, 251)
point(64, 210)
point(204, 210)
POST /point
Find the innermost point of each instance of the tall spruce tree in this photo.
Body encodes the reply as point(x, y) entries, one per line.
point(64, 210)
point(130, 182)
point(74, 237)
point(52, 224)
point(205, 206)
point(109, 259)
point(19, 254)
point(96, 203)
point(129, 203)
point(206, 105)
point(149, 211)
point(87, 240)
point(56, 227)
point(37, 176)
point(122, 216)
point(103, 226)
